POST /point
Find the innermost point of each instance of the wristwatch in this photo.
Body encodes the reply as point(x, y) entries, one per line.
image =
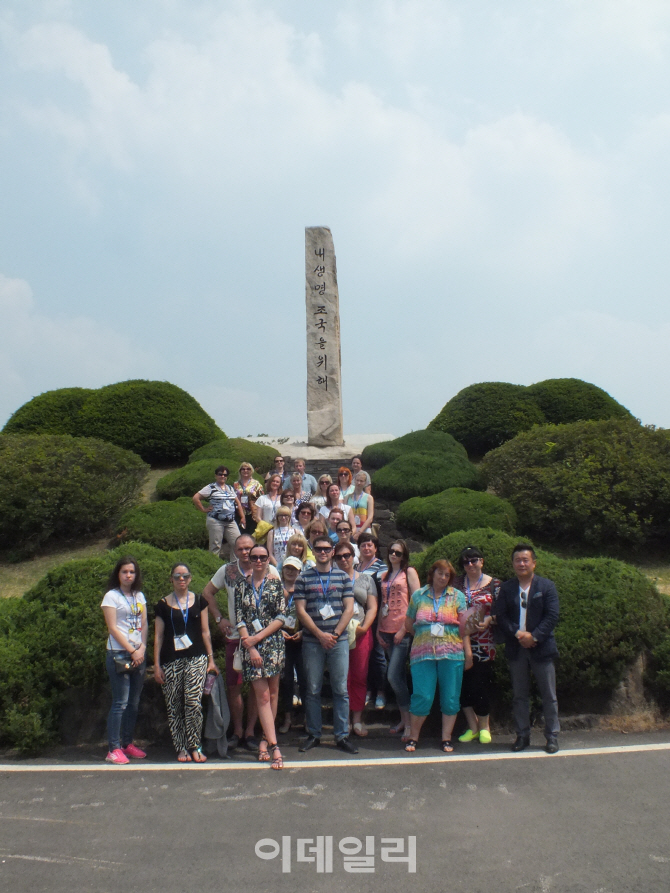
point(218, 619)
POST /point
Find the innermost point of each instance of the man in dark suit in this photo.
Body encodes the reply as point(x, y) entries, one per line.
point(526, 614)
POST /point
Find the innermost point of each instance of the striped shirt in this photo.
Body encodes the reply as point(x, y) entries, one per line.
point(317, 590)
point(421, 611)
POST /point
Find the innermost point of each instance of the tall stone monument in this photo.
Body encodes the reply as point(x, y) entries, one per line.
point(324, 395)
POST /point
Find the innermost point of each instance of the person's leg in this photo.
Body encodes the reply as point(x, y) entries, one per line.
point(286, 684)
point(215, 531)
point(482, 705)
point(264, 704)
point(397, 676)
point(314, 658)
point(520, 673)
point(252, 713)
point(545, 676)
point(273, 686)
point(136, 683)
point(358, 676)
point(173, 692)
point(450, 677)
point(231, 532)
point(194, 683)
point(377, 666)
point(120, 684)
point(337, 659)
point(234, 687)
point(424, 680)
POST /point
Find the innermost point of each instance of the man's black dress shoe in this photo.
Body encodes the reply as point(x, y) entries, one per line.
point(346, 745)
point(552, 745)
point(250, 743)
point(309, 742)
point(521, 743)
point(233, 741)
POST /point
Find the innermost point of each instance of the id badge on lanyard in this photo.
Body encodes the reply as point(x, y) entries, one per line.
point(181, 643)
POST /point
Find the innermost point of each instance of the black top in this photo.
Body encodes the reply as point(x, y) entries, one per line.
point(171, 616)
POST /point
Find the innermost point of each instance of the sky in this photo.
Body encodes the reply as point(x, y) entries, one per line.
point(495, 177)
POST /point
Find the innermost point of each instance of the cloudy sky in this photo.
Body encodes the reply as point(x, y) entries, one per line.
point(495, 176)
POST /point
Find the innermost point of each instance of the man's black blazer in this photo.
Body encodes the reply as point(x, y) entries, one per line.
point(541, 617)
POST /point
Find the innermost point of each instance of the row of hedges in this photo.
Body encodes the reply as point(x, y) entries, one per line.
point(155, 419)
point(54, 637)
point(237, 449)
point(436, 516)
point(610, 611)
point(57, 487)
point(483, 416)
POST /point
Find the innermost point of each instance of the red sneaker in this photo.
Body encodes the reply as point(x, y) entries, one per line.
point(133, 751)
point(117, 756)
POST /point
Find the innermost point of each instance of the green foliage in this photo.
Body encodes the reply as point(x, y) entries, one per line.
point(658, 670)
point(455, 509)
point(193, 477)
point(55, 636)
point(378, 454)
point(57, 487)
point(483, 416)
point(565, 400)
point(166, 525)
point(422, 474)
point(54, 412)
point(604, 483)
point(609, 611)
point(156, 419)
point(260, 455)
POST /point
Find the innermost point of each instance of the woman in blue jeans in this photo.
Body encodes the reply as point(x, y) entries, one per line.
point(395, 588)
point(125, 609)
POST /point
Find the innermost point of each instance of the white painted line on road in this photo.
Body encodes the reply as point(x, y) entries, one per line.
point(402, 759)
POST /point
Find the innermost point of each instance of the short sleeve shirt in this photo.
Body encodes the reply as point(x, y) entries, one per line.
point(227, 576)
point(421, 611)
point(318, 590)
point(128, 615)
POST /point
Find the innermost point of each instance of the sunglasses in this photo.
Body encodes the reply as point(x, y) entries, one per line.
point(181, 576)
point(468, 561)
point(395, 552)
point(323, 548)
point(258, 557)
point(222, 474)
point(342, 555)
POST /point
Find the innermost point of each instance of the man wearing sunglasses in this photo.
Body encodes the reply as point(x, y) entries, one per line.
point(526, 613)
point(324, 604)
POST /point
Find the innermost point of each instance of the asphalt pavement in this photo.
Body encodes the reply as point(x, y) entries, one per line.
point(592, 818)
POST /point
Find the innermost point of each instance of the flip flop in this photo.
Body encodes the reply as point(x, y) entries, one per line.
point(411, 745)
point(396, 730)
point(360, 730)
point(183, 757)
point(198, 756)
point(447, 746)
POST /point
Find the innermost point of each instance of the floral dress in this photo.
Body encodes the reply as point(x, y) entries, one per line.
point(271, 607)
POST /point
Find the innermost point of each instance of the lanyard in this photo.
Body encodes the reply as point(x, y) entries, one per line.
point(183, 613)
point(436, 602)
point(326, 590)
point(290, 601)
point(469, 591)
point(257, 594)
point(389, 583)
point(134, 612)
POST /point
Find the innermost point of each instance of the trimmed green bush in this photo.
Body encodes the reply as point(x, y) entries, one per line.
point(378, 454)
point(606, 483)
point(57, 487)
point(260, 455)
point(658, 670)
point(422, 474)
point(157, 420)
point(166, 525)
point(54, 412)
point(609, 611)
point(455, 509)
point(54, 637)
point(484, 416)
point(193, 477)
point(565, 400)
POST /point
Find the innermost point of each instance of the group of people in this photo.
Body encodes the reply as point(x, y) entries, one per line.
point(310, 592)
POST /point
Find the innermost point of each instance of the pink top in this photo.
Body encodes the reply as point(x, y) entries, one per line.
point(395, 594)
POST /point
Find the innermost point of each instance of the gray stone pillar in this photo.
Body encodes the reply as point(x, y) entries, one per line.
point(324, 395)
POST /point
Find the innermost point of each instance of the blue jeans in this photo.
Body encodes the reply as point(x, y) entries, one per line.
point(397, 667)
point(126, 691)
point(315, 659)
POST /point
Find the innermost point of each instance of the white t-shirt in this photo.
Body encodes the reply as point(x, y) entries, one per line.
point(128, 616)
point(227, 576)
point(325, 510)
point(267, 507)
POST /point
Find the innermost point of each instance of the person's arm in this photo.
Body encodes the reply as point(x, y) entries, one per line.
point(324, 639)
point(159, 629)
point(240, 510)
point(347, 614)
point(370, 614)
point(549, 615)
point(271, 547)
point(109, 612)
point(209, 594)
point(207, 639)
point(413, 582)
point(503, 619)
point(467, 651)
point(352, 521)
point(197, 502)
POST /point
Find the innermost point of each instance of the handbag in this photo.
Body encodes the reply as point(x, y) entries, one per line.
point(351, 632)
point(237, 659)
point(122, 664)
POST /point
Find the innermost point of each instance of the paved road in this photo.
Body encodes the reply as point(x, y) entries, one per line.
point(579, 821)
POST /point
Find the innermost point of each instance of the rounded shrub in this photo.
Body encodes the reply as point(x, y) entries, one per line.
point(565, 400)
point(53, 638)
point(54, 412)
point(260, 455)
point(192, 477)
point(609, 611)
point(157, 420)
point(606, 484)
point(166, 525)
point(455, 509)
point(57, 487)
point(378, 454)
point(422, 474)
point(484, 416)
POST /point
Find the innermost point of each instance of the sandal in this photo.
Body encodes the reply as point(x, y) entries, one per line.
point(411, 745)
point(183, 757)
point(396, 730)
point(277, 761)
point(360, 730)
point(263, 755)
point(447, 746)
point(285, 726)
point(198, 756)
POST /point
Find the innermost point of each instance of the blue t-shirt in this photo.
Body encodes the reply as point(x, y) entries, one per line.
point(317, 590)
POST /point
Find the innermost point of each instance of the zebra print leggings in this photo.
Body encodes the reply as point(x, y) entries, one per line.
point(184, 683)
